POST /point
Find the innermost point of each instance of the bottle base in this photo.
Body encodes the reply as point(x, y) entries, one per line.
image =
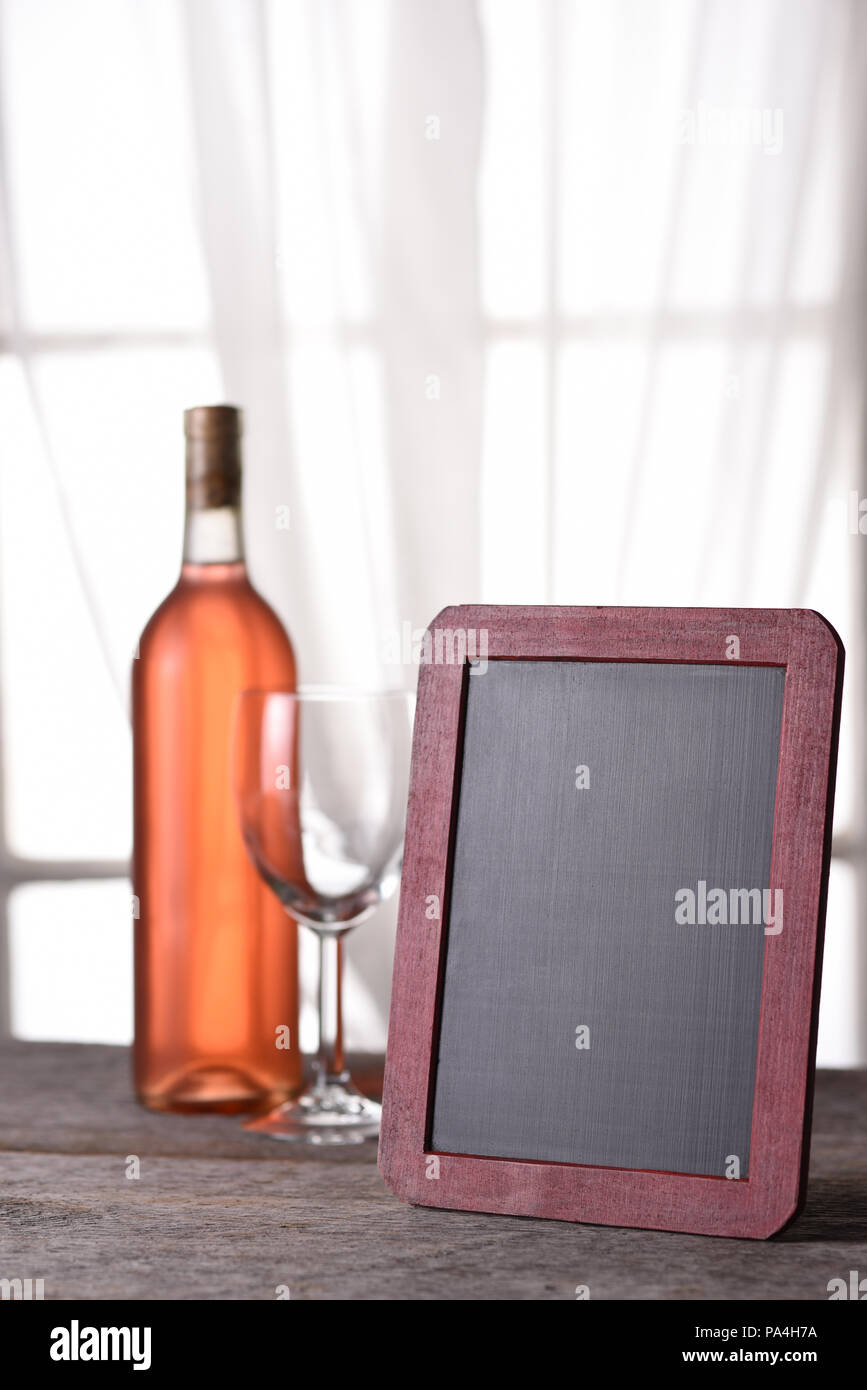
point(214, 1090)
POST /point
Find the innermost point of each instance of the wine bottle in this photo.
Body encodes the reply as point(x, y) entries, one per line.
point(216, 962)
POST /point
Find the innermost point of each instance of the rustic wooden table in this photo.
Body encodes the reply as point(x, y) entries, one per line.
point(221, 1214)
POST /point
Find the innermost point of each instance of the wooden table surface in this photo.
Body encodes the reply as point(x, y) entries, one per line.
point(221, 1214)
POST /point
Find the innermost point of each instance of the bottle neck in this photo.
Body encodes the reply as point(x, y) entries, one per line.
point(213, 536)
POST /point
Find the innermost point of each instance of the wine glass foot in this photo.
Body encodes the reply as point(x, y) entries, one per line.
point(331, 1112)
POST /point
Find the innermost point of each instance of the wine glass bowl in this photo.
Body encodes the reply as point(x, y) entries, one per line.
point(320, 779)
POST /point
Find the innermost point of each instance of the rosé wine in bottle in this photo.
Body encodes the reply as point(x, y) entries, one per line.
point(216, 977)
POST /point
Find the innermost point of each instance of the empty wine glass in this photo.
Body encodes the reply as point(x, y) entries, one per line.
point(321, 781)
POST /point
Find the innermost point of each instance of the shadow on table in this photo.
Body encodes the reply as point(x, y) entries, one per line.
point(835, 1210)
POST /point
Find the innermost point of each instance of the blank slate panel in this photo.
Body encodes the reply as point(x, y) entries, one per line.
point(562, 919)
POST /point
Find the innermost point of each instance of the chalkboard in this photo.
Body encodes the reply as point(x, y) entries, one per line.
point(609, 943)
point(581, 1023)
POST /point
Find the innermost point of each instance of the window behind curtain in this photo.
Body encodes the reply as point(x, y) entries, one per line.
point(667, 282)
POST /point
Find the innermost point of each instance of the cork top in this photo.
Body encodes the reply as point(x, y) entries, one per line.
point(213, 437)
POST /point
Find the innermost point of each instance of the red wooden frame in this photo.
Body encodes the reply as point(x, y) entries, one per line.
point(805, 644)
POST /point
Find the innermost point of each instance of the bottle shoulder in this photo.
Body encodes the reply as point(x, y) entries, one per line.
point(212, 607)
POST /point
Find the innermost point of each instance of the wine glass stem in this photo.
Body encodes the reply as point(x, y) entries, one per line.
point(330, 1064)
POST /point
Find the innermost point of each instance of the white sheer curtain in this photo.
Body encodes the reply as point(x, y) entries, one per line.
point(526, 300)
